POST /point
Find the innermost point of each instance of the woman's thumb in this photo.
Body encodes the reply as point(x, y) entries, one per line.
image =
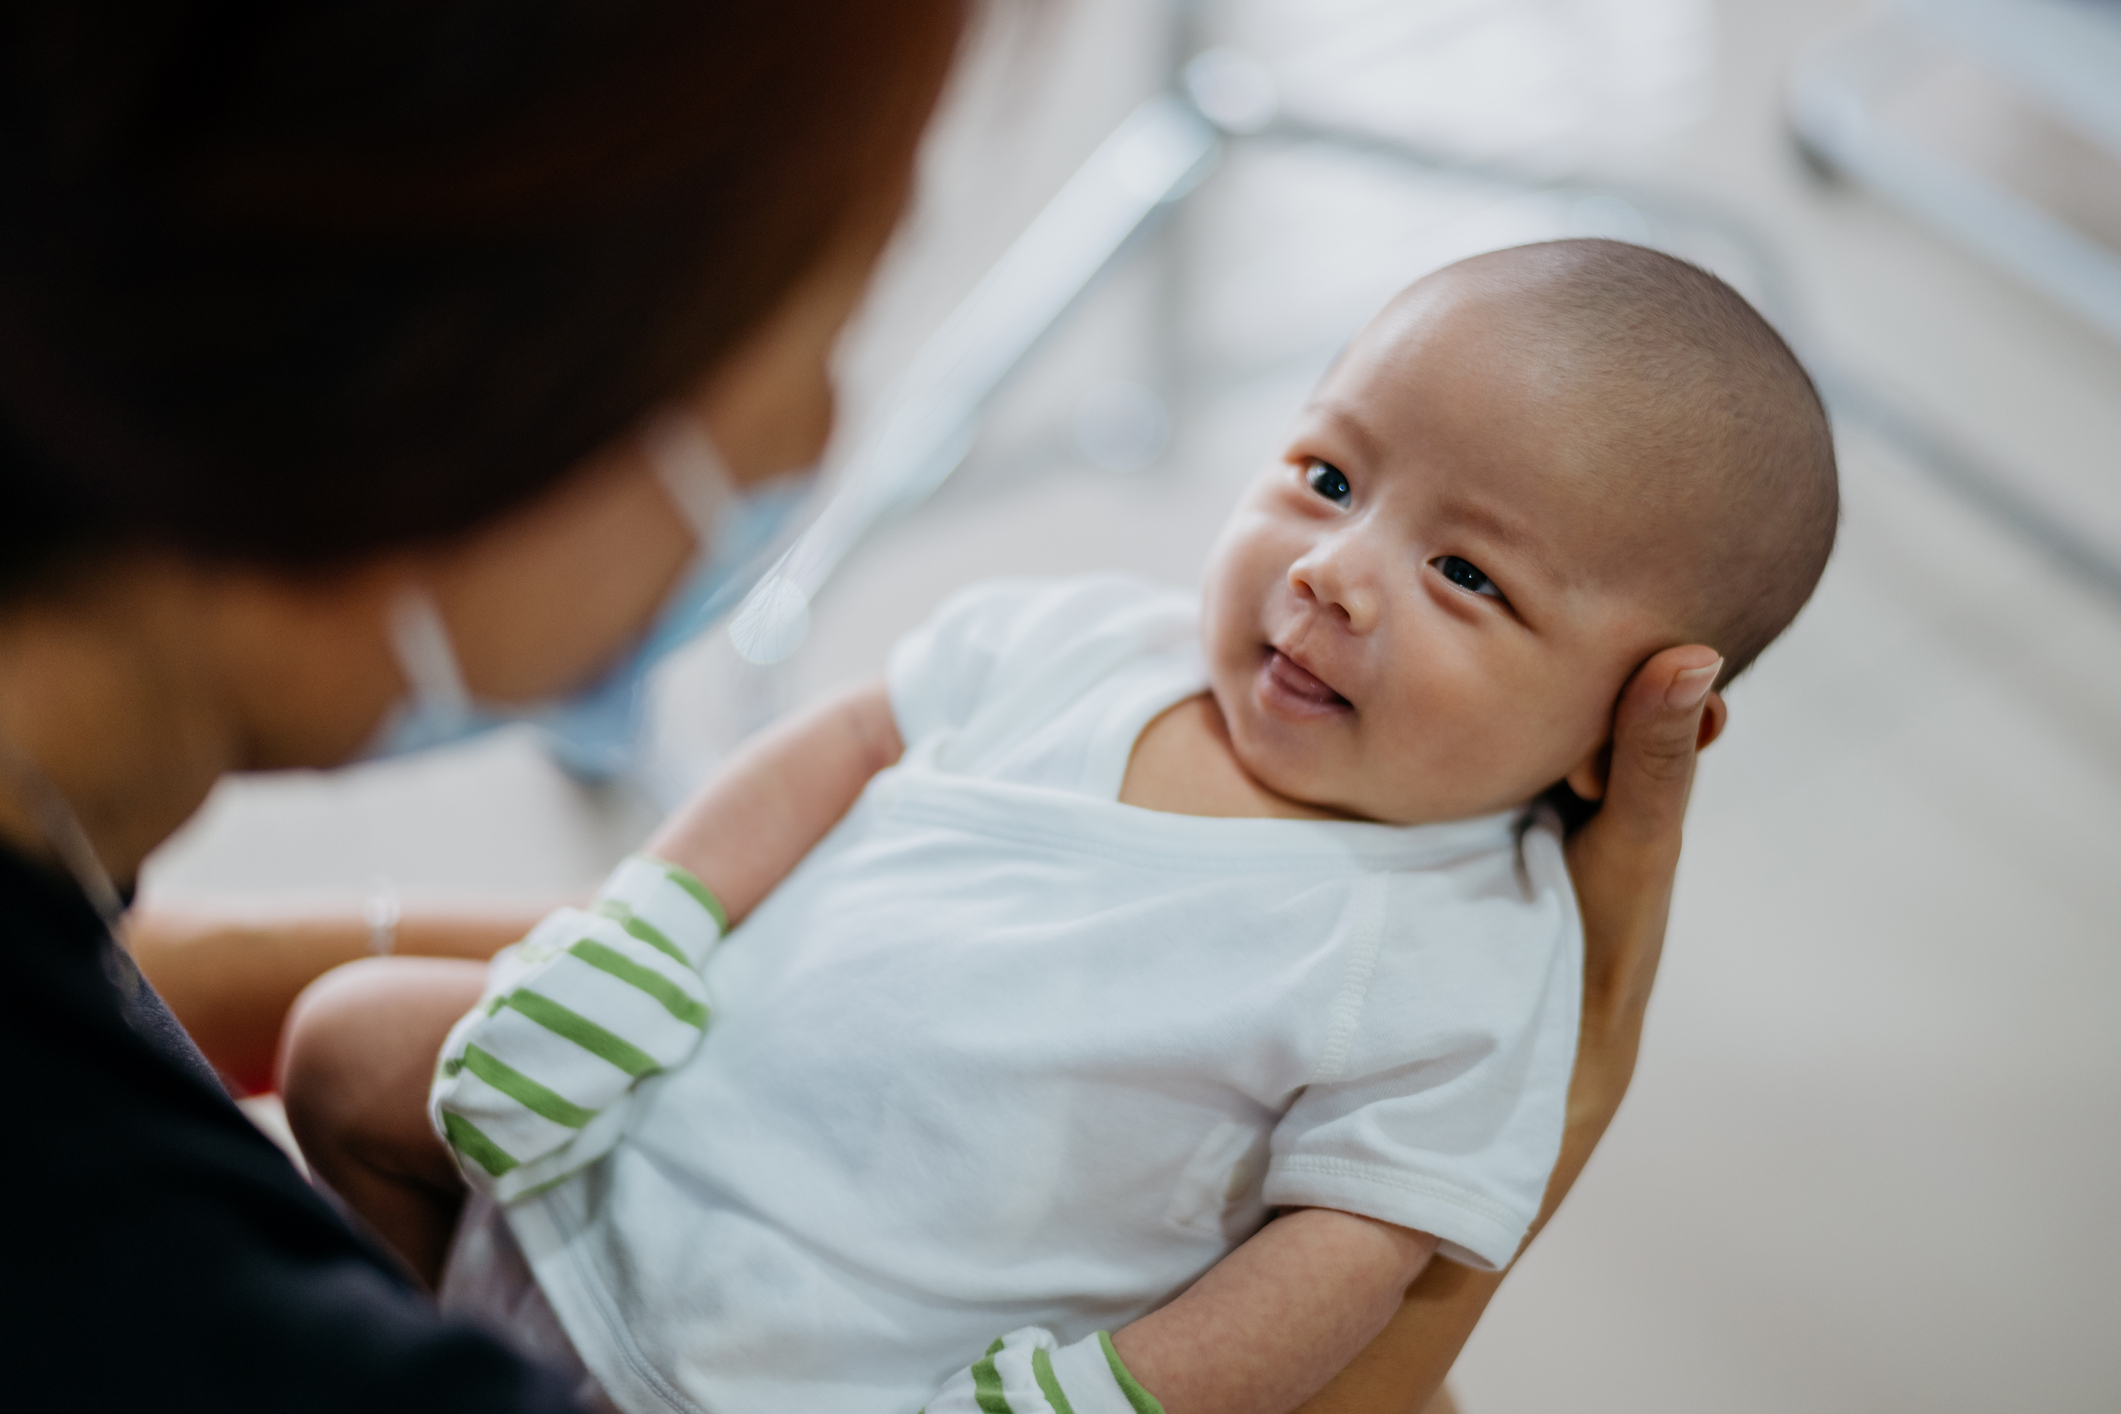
point(1655, 734)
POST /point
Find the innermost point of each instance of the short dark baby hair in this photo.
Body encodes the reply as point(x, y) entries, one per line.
point(1707, 407)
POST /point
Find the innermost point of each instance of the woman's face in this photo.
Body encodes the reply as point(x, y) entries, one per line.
point(542, 601)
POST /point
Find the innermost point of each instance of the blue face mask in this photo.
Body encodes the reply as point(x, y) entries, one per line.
point(593, 732)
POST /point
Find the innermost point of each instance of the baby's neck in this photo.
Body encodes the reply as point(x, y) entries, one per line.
point(1183, 764)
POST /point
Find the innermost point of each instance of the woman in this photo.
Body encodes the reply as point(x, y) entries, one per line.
point(327, 335)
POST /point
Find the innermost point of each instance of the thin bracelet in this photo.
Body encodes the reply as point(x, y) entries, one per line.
point(381, 913)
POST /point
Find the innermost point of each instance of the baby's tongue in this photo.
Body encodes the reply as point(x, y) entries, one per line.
point(1300, 680)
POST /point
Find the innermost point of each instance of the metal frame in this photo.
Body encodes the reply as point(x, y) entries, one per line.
point(2065, 52)
point(1168, 144)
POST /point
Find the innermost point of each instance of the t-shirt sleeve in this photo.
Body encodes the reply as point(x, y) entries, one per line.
point(939, 673)
point(1025, 644)
point(1449, 1126)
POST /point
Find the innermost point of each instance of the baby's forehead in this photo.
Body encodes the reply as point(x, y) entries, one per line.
point(1634, 409)
point(1512, 454)
point(1489, 370)
point(1452, 393)
point(1459, 313)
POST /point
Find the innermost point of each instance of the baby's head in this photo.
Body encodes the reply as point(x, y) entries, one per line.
point(1534, 470)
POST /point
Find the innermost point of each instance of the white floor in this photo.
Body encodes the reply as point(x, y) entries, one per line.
point(1870, 1160)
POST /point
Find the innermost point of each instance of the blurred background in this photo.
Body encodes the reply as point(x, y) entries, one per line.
point(1871, 1156)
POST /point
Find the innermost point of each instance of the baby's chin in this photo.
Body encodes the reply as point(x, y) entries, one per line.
point(1357, 791)
point(1277, 764)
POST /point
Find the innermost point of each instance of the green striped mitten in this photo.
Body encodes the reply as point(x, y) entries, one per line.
point(534, 1082)
point(1029, 1372)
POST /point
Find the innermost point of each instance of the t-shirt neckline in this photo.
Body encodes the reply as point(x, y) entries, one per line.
point(1180, 673)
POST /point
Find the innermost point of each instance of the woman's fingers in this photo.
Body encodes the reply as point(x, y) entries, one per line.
point(1656, 731)
point(1624, 858)
point(1622, 862)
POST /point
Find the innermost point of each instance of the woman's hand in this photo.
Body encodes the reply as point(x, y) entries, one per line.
point(1622, 861)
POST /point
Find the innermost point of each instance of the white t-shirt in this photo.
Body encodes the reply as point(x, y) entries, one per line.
point(1004, 1052)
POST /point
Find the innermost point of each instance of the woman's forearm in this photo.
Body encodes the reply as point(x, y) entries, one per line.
point(1402, 1371)
point(230, 975)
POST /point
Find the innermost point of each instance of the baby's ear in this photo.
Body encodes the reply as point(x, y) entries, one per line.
point(1588, 777)
point(1715, 716)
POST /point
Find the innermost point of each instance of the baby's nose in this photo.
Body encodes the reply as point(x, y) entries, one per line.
point(1332, 577)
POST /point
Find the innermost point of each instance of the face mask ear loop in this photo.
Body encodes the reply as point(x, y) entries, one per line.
point(691, 473)
point(419, 639)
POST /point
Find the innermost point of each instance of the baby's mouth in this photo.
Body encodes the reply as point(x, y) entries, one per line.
point(1288, 683)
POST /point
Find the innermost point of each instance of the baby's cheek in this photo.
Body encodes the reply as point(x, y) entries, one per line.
point(1241, 576)
point(1413, 762)
point(1574, 717)
point(1466, 740)
point(1220, 627)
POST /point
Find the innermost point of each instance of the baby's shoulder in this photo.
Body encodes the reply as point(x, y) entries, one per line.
point(1494, 918)
point(1014, 650)
point(1027, 614)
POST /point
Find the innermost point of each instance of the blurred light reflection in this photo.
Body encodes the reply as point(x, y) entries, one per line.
point(1556, 84)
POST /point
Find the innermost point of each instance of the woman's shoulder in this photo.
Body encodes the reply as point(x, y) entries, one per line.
point(164, 1254)
point(121, 1126)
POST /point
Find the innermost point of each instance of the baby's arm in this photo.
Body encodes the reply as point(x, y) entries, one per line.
point(360, 1044)
point(1270, 1324)
point(779, 796)
point(1262, 1332)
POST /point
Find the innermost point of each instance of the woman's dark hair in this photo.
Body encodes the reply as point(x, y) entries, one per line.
point(289, 282)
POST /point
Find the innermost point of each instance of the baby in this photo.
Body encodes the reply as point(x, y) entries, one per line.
point(1116, 922)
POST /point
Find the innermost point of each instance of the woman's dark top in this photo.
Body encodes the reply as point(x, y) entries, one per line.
point(157, 1252)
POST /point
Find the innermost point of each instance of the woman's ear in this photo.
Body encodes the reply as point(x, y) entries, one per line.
point(1587, 778)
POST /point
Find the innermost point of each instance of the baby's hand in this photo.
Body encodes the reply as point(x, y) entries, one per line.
point(533, 1083)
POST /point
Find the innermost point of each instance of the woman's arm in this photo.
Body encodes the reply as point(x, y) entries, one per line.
point(1623, 862)
point(231, 975)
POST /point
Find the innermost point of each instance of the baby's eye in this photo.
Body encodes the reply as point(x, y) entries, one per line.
point(1466, 575)
point(1326, 480)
